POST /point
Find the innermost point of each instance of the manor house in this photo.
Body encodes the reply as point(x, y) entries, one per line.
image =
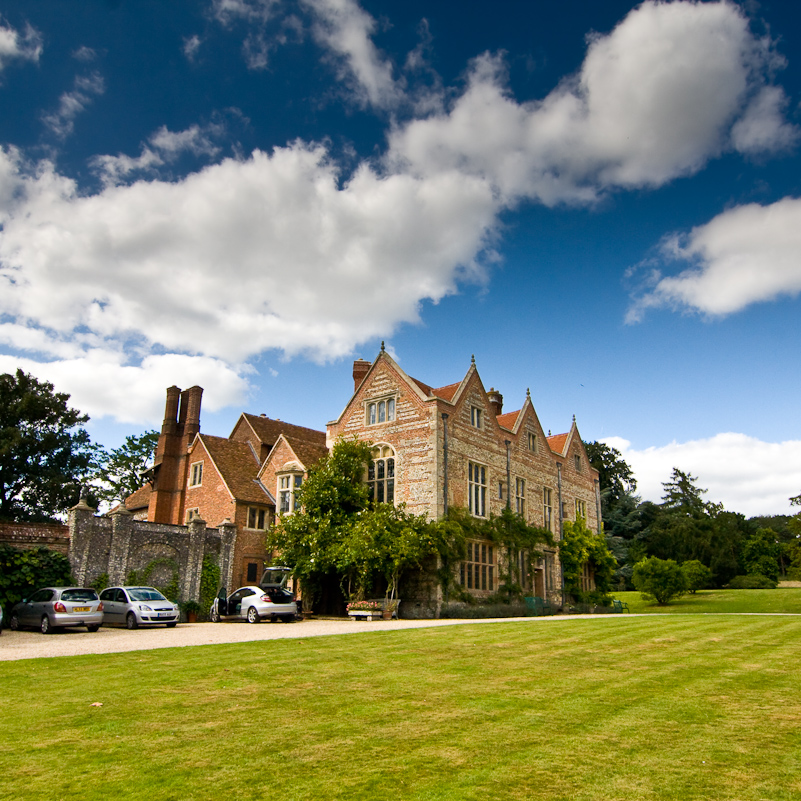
point(433, 448)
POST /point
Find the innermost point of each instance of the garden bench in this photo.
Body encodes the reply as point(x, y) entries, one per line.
point(538, 606)
point(620, 606)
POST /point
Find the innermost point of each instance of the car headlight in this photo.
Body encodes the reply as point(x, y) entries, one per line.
point(145, 608)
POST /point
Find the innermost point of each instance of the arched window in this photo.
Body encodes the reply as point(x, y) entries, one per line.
point(381, 475)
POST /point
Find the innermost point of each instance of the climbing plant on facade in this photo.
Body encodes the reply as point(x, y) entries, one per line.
point(579, 547)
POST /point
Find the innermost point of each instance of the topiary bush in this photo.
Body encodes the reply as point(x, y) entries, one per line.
point(752, 582)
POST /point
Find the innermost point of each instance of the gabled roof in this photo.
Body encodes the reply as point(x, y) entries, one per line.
point(309, 453)
point(237, 468)
point(139, 499)
point(508, 420)
point(268, 430)
point(557, 443)
point(306, 455)
point(446, 393)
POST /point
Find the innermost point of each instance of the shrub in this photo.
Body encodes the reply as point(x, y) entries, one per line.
point(698, 575)
point(24, 570)
point(661, 579)
point(752, 582)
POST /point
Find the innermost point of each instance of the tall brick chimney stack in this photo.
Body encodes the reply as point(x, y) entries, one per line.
point(360, 369)
point(192, 397)
point(496, 401)
point(170, 422)
point(180, 427)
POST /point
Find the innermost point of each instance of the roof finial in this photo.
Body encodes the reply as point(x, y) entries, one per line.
point(549, 432)
point(382, 346)
point(473, 359)
point(574, 419)
point(528, 393)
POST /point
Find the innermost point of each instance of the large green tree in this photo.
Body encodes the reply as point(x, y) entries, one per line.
point(44, 450)
point(615, 477)
point(685, 527)
point(338, 534)
point(118, 472)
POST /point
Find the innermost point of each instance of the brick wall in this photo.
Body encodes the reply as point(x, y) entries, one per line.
point(36, 535)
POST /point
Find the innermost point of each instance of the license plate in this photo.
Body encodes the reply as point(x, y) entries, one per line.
point(81, 608)
point(165, 614)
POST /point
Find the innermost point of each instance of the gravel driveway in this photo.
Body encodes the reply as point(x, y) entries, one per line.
point(72, 642)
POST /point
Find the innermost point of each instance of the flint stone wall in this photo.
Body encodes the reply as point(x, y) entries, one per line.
point(118, 544)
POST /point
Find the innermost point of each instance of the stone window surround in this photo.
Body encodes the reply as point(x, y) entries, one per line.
point(477, 488)
point(477, 571)
point(196, 474)
point(257, 514)
point(373, 406)
point(287, 482)
point(384, 453)
point(476, 416)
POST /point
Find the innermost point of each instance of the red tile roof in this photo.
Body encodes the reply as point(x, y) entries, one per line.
point(237, 466)
point(309, 453)
point(447, 393)
point(139, 499)
point(508, 420)
point(557, 442)
point(268, 430)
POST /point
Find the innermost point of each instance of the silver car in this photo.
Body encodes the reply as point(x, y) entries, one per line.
point(55, 607)
point(138, 606)
point(254, 604)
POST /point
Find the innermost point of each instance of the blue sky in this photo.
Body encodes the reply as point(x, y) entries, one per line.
point(598, 200)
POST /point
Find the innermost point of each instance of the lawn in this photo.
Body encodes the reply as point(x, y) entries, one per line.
point(621, 707)
point(781, 600)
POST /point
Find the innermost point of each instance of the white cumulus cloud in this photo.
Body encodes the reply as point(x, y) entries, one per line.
point(134, 393)
point(85, 88)
point(285, 251)
point(745, 255)
point(743, 473)
point(346, 30)
point(654, 100)
point(19, 46)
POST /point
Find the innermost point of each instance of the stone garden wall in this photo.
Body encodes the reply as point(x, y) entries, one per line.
point(118, 544)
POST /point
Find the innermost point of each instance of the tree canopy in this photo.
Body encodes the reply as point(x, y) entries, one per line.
point(44, 450)
point(118, 473)
point(615, 477)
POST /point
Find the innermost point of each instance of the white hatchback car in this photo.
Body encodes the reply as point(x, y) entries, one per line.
point(254, 604)
point(138, 606)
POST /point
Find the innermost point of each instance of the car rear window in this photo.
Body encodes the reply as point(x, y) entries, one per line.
point(79, 595)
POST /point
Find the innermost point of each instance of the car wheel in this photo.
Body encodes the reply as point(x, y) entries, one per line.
point(47, 628)
point(131, 622)
point(253, 615)
point(93, 629)
point(215, 617)
point(171, 625)
point(13, 624)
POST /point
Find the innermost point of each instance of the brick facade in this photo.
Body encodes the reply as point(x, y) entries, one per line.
point(434, 448)
point(219, 479)
point(450, 440)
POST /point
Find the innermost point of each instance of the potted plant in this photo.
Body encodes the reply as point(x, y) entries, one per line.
point(190, 609)
point(371, 610)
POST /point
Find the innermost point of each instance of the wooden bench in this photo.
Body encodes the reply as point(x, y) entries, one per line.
point(538, 606)
point(620, 606)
